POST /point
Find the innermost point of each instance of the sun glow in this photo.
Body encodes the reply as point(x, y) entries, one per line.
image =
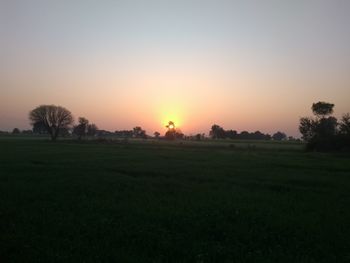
point(177, 117)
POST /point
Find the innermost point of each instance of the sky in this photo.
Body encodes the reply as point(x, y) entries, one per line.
point(244, 65)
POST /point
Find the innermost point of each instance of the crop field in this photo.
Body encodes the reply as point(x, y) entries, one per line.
point(158, 201)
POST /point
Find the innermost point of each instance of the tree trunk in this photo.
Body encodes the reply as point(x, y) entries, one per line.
point(54, 134)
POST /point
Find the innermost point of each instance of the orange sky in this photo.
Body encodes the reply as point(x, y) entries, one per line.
point(258, 68)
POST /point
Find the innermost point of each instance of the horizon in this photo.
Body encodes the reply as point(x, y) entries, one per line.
point(244, 66)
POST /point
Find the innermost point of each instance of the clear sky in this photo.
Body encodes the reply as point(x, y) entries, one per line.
point(245, 65)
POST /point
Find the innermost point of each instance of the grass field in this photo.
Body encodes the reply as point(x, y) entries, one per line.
point(172, 202)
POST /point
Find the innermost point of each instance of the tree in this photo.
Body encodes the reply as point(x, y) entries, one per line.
point(156, 134)
point(320, 127)
point(82, 128)
point(232, 134)
point(170, 125)
point(172, 133)
point(244, 135)
point(139, 133)
point(307, 128)
point(92, 129)
point(279, 136)
point(53, 118)
point(326, 127)
point(198, 137)
point(64, 132)
point(217, 132)
point(344, 126)
point(124, 133)
point(322, 109)
point(39, 128)
point(16, 131)
point(322, 133)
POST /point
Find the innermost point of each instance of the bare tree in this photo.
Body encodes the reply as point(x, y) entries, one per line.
point(81, 129)
point(54, 118)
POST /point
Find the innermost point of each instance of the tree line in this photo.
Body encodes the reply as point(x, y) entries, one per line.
point(217, 132)
point(57, 121)
point(324, 132)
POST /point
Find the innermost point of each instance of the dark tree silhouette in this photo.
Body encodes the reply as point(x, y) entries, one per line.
point(54, 118)
point(217, 132)
point(139, 133)
point(198, 137)
point(124, 133)
point(39, 128)
point(231, 134)
point(307, 128)
point(172, 133)
point(322, 109)
point(92, 129)
point(322, 126)
point(64, 132)
point(16, 131)
point(279, 136)
point(156, 134)
point(324, 133)
point(82, 128)
point(344, 126)
point(170, 125)
point(244, 135)
point(326, 127)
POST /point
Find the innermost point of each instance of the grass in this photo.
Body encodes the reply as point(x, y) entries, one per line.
point(172, 202)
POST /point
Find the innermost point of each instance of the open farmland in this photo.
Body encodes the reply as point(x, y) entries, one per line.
point(157, 201)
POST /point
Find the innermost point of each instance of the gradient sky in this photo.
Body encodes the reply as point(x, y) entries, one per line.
point(245, 65)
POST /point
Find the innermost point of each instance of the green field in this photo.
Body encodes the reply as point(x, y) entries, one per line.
point(135, 201)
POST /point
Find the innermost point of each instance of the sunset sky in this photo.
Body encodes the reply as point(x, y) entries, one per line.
point(245, 65)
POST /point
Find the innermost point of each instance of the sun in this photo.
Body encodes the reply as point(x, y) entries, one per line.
point(168, 114)
point(173, 118)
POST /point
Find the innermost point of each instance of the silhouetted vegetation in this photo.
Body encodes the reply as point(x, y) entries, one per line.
point(16, 131)
point(324, 133)
point(80, 130)
point(39, 128)
point(173, 133)
point(84, 128)
point(124, 133)
point(138, 132)
point(279, 136)
point(53, 118)
point(217, 132)
point(156, 134)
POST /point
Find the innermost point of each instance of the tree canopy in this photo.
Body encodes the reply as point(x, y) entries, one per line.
point(324, 132)
point(322, 109)
point(52, 117)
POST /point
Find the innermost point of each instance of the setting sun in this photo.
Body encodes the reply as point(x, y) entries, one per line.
point(175, 119)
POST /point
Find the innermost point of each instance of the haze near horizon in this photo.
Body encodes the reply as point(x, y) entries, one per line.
point(245, 65)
